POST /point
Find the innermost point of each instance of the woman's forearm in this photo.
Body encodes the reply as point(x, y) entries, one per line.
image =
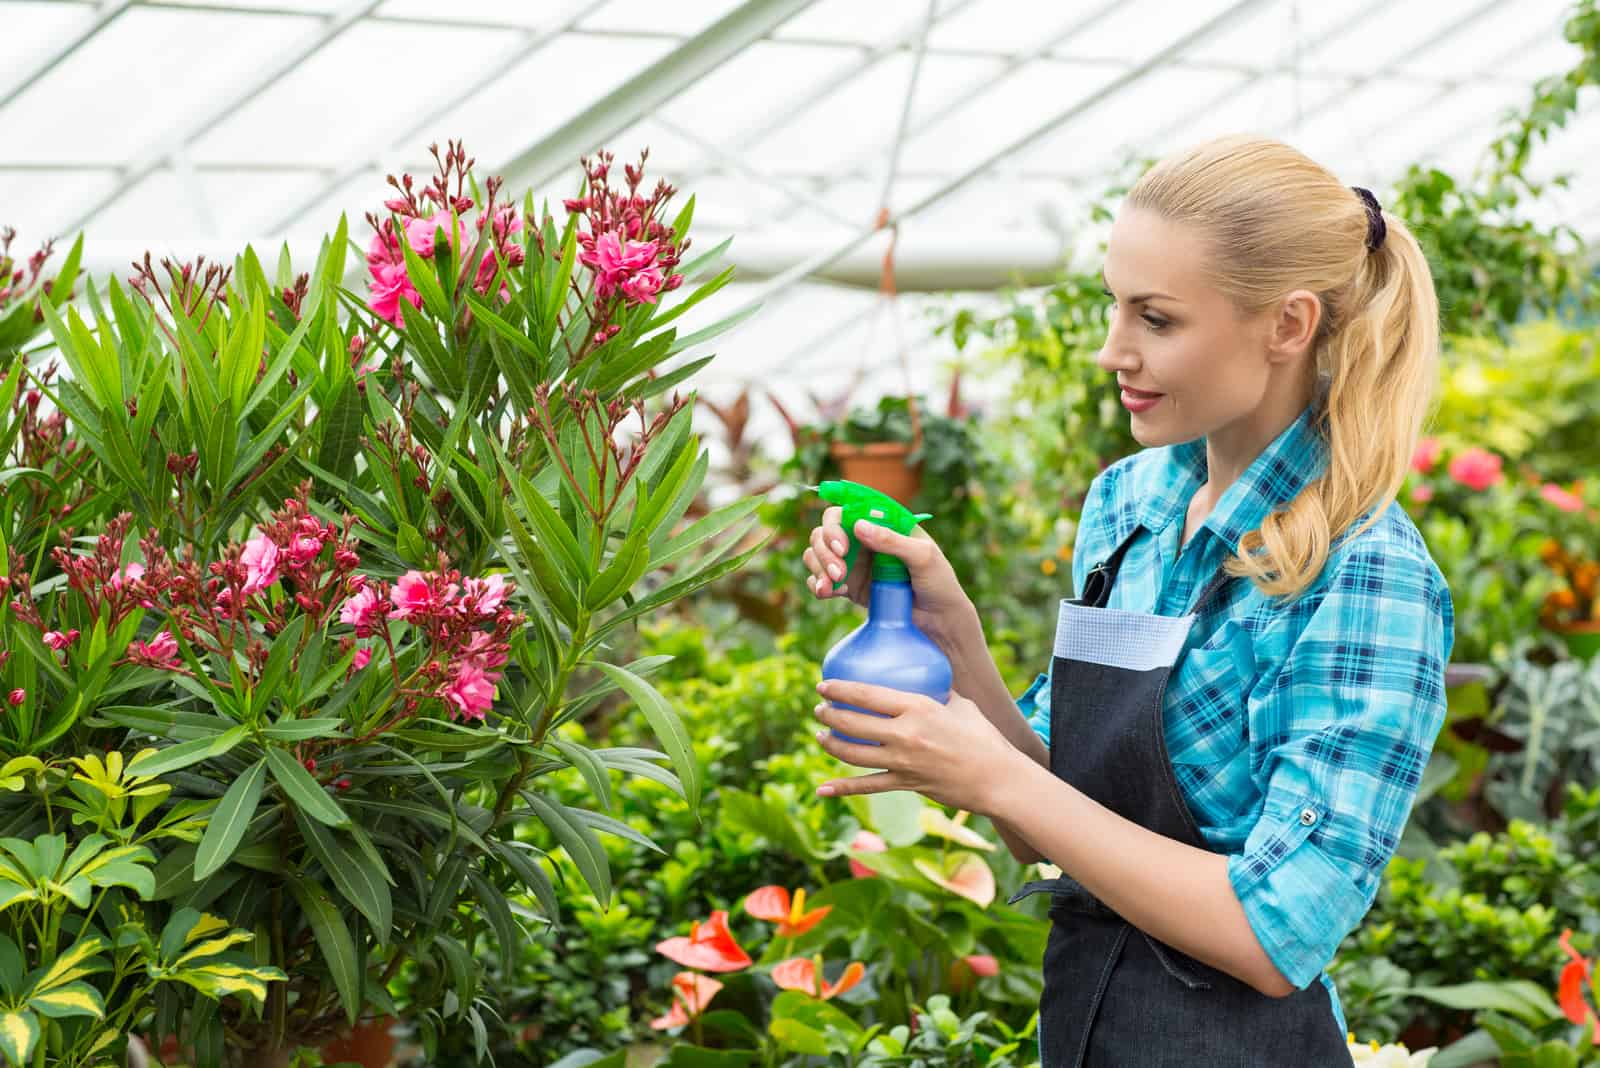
point(1177, 893)
point(976, 677)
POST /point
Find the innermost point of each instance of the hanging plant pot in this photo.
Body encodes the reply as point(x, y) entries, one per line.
point(1582, 639)
point(884, 465)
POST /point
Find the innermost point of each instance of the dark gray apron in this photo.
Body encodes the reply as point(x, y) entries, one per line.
point(1114, 995)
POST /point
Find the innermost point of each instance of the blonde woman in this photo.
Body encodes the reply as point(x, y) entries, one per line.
point(1246, 688)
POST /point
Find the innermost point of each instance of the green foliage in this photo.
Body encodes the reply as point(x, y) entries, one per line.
point(1489, 910)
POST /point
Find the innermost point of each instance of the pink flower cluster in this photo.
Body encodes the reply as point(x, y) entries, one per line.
point(426, 214)
point(451, 612)
point(627, 247)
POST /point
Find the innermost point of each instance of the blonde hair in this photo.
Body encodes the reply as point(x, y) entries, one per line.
point(1275, 221)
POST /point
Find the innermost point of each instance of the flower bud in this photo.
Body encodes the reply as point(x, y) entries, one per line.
point(16, 697)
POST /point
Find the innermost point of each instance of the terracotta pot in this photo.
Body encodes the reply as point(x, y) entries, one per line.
point(882, 465)
point(368, 1044)
point(1582, 639)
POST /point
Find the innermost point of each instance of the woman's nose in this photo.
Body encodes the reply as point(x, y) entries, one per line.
point(1115, 354)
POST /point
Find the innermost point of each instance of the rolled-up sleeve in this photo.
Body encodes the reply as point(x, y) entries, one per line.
point(1340, 734)
point(1035, 710)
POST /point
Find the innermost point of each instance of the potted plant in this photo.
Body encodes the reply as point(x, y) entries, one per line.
point(1572, 610)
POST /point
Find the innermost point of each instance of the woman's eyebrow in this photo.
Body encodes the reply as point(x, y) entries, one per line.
point(1140, 298)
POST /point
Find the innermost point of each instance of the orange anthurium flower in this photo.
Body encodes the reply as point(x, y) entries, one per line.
point(691, 992)
point(709, 947)
point(772, 903)
point(1570, 991)
point(800, 973)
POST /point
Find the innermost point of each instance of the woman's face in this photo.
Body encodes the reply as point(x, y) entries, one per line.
point(1190, 364)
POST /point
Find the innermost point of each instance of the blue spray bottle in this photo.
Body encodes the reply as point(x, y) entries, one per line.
point(888, 649)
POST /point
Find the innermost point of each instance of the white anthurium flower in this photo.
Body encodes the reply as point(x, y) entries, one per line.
point(939, 825)
point(1372, 1055)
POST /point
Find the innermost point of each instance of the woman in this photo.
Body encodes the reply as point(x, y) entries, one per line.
point(1244, 694)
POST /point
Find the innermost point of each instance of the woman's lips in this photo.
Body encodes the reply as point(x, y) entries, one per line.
point(1136, 401)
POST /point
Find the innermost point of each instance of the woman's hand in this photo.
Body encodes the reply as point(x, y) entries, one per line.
point(939, 605)
point(948, 752)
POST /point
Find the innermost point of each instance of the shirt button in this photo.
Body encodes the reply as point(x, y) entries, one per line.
point(1307, 817)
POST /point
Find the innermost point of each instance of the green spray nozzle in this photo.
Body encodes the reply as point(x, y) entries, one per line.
point(863, 502)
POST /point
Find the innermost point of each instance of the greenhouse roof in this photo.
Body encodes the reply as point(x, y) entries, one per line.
point(983, 126)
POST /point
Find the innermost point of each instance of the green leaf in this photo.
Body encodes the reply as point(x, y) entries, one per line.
point(579, 841)
point(666, 724)
point(354, 873)
point(284, 647)
point(306, 793)
point(590, 767)
point(72, 999)
point(333, 938)
point(228, 822)
point(186, 753)
point(492, 903)
point(19, 1032)
point(533, 877)
point(298, 730)
point(1522, 998)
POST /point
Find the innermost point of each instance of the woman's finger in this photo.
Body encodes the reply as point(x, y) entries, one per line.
point(827, 559)
point(853, 724)
point(862, 756)
point(870, 697)
point(833, 527)
point(876, 783)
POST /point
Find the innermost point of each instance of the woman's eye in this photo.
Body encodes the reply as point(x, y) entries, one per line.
point(1156, 322)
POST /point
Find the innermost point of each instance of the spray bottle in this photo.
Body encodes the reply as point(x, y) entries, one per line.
point(888, 649)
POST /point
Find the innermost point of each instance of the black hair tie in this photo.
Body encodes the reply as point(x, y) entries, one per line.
point(1377, 229)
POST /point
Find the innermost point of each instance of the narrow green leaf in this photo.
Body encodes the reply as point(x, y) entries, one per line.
point(579, 841)
point(354, 873)
point(306, 793)
point(666, 724)
point(228, 822)
point(186, 753)
point(589, 766)
point(298, 730)
point(333, 938)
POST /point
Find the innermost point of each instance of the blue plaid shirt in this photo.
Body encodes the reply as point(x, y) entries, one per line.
point(1298, 733)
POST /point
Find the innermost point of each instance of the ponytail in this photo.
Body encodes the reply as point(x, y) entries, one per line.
point(1276, 221)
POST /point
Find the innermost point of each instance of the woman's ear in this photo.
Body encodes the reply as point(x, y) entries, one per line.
point(1294, 327)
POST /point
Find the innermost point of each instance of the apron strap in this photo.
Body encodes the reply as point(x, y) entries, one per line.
point(1097, 583)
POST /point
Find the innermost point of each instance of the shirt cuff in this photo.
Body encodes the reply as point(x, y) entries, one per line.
point(1300, 902)
point(1028, 704)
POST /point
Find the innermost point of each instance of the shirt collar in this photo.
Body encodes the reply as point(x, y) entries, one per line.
point(1296, 456)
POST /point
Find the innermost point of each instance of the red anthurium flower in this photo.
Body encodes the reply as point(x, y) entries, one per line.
point(965, 970)
point(772, 903)
point(800, 973)
point(691, 993)
point(1570, 991)
point(709, 947)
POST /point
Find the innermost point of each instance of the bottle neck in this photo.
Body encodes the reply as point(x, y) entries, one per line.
point(890, 601)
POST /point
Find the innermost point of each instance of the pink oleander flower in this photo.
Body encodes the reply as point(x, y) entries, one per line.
point(420, 233)
point(160, 651)
point(1426, 454)
point(1563, 499)
point(59, 641)
point(483, 597)
point(643, 287)
point(481, 649)
point(413, 595)
point(471, 691)
point(133, 571)
point(362, 658)
point(363, 611)
point(304, 547)
point(1422, 494)
point(615, 261)
point(16, 697)
point(390, 285)
point(1476, 468)
point(260, 558)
